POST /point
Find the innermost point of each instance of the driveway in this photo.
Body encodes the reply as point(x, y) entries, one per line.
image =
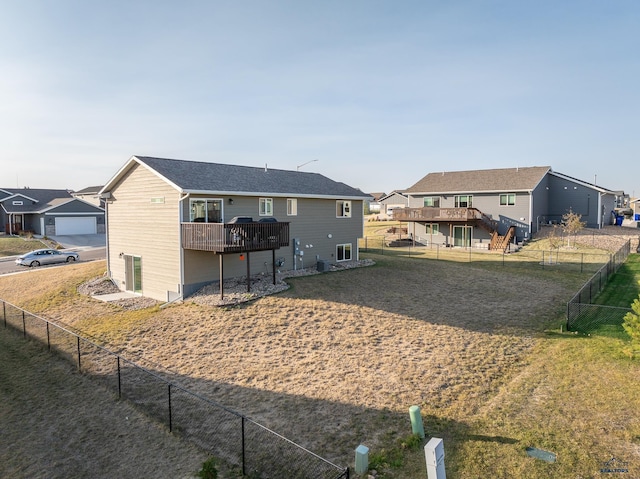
point(78, 241)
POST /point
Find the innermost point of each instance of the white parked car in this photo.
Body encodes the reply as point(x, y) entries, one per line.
point(46, 256)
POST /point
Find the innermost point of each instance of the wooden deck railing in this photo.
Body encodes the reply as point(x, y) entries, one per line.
point(435, 214)
point(235, 238)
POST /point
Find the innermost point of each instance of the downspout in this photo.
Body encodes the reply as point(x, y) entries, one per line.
point(106, 235)
point(181, 219)
point(531, 216)
point(600, 212)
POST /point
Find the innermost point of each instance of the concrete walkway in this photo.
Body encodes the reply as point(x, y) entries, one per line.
point(115, 296)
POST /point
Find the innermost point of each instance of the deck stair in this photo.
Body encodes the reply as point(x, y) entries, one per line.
point(501, 243)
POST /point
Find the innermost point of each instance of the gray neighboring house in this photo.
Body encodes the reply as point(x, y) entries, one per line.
point(397, 199)
point(48, 212)
point(492, 208)
point(174, 226)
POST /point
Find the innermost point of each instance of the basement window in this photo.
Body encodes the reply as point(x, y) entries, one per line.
point(343, 252)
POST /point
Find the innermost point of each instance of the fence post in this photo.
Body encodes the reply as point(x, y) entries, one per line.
point(244, 472)
point(170, 419)
point(119, 379)
point(4, 313)
point(24, 326)
point(48, 338)
point(79, 365)
point(581, 261)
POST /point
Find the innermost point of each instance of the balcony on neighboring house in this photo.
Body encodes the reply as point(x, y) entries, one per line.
point(235, 237)
point(433, 214)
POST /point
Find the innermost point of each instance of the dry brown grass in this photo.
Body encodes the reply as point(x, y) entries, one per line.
point(56, 423)
point(338, 359)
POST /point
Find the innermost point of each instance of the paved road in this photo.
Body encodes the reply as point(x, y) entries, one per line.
point(89, 247)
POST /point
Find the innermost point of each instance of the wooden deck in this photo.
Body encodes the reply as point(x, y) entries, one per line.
point(432, 214)
point(235, 238)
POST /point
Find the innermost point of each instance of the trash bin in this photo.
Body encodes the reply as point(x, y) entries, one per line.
point(619, 220)
point(636, 217)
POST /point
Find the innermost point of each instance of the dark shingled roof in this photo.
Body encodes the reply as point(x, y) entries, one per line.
point(43, 199)
point(195, 176)
point(511, 179)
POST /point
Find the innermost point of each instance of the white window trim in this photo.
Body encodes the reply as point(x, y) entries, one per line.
point(192, 200)
point(338, 246)
point(292, 206)
point(456, 200)
point(507, 202)
point(346, 208)
point(268, 210)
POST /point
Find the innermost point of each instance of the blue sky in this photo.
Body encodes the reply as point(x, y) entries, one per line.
point(380, 93)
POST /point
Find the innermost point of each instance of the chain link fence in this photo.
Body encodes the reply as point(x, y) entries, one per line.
point(584, 316)
point(553, 259)
point(225, 434)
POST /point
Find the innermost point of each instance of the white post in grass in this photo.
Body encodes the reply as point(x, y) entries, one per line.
point(434, 455)
point(362, 459)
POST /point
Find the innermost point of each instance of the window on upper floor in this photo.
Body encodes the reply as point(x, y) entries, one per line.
point(343, 209)
point(205, 211)
point(464, 201)
point(292, 206)
point(266, 207)
point(507, 199)
point(432, 201)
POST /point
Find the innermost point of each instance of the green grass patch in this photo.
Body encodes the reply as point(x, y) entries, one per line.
point(12, 246)
point(623, 286)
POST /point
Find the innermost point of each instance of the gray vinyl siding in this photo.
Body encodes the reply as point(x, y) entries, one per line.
point(139, 227)
point(517, 215)
point(540, 198)
point(315, 221)
point(565, 196)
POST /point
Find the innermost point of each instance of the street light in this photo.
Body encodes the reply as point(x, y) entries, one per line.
point(299, 166)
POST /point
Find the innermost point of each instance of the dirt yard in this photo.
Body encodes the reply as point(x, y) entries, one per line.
point(334, 361)
point(337, 359)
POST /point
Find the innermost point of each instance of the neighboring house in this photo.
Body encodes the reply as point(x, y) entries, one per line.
point(374, 204)
point(394, 200)
point(48, 213)
point(492, 208)
point(174, 226)
point(90, 194)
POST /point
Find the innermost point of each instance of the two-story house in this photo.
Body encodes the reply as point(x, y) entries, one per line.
point(492, 208)
point(174, 226)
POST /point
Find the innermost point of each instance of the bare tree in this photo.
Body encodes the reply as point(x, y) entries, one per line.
point(572, 225)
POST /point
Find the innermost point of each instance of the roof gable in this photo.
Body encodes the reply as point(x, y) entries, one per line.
point(35, 200)
point(201, 177)
point(503, 179)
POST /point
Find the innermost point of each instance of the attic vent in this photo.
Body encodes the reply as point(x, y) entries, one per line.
point(158, 200)
point(17, 203)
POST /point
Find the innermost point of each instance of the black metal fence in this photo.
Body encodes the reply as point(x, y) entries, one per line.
point(582, 314)
point(225, 434)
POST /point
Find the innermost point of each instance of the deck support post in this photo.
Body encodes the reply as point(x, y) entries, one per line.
point(221, 275)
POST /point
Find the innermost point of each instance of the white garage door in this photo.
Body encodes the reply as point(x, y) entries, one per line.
point(79, 225)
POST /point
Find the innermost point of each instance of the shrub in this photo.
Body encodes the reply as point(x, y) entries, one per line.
point(631, 325)
point(209, 469)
